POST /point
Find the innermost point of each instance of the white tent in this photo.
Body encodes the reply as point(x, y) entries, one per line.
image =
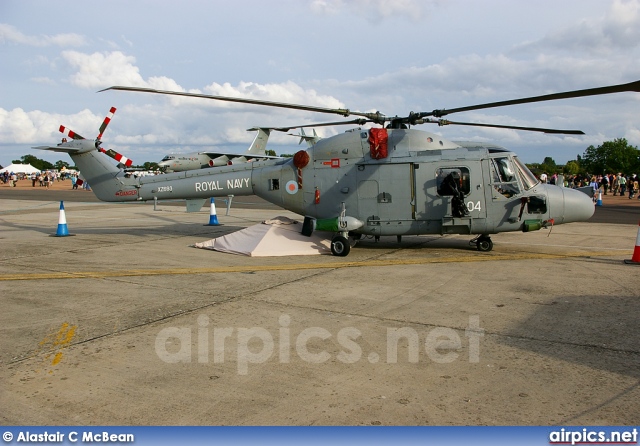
point(278, 237)
point(20, 168)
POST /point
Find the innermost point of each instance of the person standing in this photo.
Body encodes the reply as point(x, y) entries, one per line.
point(595, 185)
point(543, 178)
point(622, 184)
point(632, 184)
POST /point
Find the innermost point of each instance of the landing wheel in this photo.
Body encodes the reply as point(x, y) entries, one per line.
point(484, 243)
point(340, 246)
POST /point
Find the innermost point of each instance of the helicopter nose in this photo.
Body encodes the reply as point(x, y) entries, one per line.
point(578, 206)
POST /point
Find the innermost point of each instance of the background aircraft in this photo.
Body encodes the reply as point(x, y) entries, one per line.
point(200, 160)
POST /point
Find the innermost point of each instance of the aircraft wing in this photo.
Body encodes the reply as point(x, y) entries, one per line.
point(231, 156)
point(223, 158)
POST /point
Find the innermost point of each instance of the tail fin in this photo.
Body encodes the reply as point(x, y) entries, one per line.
point(107, 181)
point(259, 144)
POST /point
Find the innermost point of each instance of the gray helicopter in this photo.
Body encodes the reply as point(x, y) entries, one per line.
point(387, 181)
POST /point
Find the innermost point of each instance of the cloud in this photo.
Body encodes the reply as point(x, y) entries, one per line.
point(10, 33)
point(619, 30)
point(373, 10)
point(32, 127)
point(101, 70)
point(287, 92)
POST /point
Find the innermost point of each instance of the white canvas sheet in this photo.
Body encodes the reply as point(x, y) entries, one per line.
point(277, 237)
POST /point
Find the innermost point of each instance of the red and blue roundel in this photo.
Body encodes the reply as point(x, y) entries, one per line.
point(291, 187)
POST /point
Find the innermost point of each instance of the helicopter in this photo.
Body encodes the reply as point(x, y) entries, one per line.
point(391, 180)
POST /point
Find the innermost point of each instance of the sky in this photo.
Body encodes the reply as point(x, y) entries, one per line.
point(366, 55)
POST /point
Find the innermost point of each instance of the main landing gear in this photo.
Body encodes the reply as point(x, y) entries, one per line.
point(340, 246)
point(483, 243)
point(342, 243)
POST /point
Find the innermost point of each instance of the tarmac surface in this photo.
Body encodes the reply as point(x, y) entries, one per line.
point(125, 323)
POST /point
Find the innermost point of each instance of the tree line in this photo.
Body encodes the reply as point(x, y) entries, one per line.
point(609, 157)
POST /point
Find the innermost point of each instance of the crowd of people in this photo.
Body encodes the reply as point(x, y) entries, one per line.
point(44, 179)
point(616, 184)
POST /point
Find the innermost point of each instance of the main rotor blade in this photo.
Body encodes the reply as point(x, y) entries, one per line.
point(336, 111)
point(322, 124)
point(442, 122)
point(632, 86)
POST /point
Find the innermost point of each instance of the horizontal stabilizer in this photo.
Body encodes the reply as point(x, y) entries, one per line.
point(73, 146)
point(63, 149)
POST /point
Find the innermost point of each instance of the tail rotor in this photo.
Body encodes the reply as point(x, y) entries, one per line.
point(109, 152)
point(70, 133)
point(106, 122)
point(116, 156)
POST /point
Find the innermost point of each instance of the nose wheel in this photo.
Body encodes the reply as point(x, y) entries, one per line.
point(483, 243)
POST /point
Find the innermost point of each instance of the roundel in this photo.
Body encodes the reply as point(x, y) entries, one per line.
point(292, 187)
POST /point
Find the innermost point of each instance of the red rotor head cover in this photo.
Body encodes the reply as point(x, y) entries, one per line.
point(301, 159)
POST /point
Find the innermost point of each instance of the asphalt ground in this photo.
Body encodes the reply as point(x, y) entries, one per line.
point(125, 323)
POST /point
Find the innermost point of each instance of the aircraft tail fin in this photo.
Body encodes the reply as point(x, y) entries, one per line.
point(259, 144)
point(107, 181)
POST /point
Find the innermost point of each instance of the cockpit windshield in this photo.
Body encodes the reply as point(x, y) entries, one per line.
point(503, 177)
point(168, 158)
point(527, 179)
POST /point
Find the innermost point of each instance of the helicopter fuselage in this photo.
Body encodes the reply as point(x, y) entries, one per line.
point(402, 193)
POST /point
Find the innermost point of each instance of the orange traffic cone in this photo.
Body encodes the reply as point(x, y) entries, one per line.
point(635, 260)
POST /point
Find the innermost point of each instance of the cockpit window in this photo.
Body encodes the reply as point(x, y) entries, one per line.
point(504, 177)
point(505, 171)
point(168, 158)
point(527, 178)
